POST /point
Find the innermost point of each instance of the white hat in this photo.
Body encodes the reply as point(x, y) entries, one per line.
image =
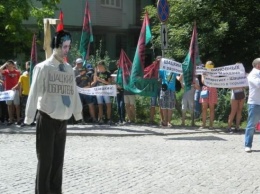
point(79, 60)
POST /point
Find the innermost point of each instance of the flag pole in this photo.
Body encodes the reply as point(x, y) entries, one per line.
point(193, 81)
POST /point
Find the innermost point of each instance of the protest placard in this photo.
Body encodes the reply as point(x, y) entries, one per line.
point(107, 90)
point(7, 95)
point(60, 83)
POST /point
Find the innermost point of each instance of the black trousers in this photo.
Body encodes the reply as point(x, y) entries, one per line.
point(50, 147)
point(23, 105)
point(120, 106)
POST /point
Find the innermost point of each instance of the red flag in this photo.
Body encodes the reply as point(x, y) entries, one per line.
point(126, 65)
point(60, 26)
point(33, 60)
point(191, 60)
point(86, 36)
point(151, 71)
point(144, 38)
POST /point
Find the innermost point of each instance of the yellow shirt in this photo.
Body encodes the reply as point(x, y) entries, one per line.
point(24, 80)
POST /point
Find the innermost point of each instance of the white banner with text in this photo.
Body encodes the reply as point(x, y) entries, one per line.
point(225, 82)
point(7, 95)
point(107, 90)
point(60, 83)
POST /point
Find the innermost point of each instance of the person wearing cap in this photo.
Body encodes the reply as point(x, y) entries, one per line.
point(102, 77)
point(12, 76)
point(253, 104)
point(84, 81)
point(78, 65)
point(56, 101)
point(210, 101)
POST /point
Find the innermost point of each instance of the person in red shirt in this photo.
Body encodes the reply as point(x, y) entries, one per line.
point(11, 75)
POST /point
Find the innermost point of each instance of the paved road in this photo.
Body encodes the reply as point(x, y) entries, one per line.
point(151, 164)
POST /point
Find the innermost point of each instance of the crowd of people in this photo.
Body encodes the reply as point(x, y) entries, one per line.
point(192, 100)
point(98, 109)
point(51, 104)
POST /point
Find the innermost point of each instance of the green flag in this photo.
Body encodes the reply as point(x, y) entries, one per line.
point(137, 83)
point(86, 36)
point(191, 61)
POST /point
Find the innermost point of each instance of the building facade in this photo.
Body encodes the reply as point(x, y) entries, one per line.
point(117, 23)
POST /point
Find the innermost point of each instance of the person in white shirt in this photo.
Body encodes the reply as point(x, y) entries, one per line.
point(253, 104)
point(188, 98)
point(78, 66)
point(54, 94)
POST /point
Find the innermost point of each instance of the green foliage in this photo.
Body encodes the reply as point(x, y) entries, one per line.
point(14, 36)
point(142, 109)
point(93, 59)
point(222, 110)
point(224, 28)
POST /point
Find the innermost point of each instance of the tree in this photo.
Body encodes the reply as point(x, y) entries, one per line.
point(228, 30)
point(14, 36)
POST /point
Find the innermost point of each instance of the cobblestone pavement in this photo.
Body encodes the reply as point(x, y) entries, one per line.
point(183, 163)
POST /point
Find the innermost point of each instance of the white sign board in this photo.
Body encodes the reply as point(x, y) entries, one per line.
point(60, 83)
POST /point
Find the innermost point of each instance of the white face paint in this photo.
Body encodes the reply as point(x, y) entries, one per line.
point(62, 51)
point(65, 48)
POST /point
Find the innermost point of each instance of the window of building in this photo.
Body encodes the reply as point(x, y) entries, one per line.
point(112, 3)
point(121, 43)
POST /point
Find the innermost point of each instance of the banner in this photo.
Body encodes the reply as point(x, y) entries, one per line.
point(229, 70)
point(7, 95)
point(171, 65)
point(107, 90)
point(60, 83)
point(226, 82)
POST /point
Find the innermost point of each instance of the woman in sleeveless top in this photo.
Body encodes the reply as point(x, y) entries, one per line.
point(210, 101)
point(236, 108)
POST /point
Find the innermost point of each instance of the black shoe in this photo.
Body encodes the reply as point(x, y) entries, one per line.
point(19, 123)
point(9, 123)
point(33, 124)
point(229, 130)
point(236, 130)
point(22, 125)
point(110, 122)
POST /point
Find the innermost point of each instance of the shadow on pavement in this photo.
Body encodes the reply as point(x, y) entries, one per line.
point(198, 138)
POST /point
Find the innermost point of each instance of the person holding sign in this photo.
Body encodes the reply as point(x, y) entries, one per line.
point(11, 75)
point(84, 81)
point(167, 95)
point(208, 98)
point(102, 77)
point(253, 104)
point(53, 93)
point(237, 104)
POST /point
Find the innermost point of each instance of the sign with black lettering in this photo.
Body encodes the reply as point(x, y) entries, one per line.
point(107, 90)
point(60, 83)
point(7, 95)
